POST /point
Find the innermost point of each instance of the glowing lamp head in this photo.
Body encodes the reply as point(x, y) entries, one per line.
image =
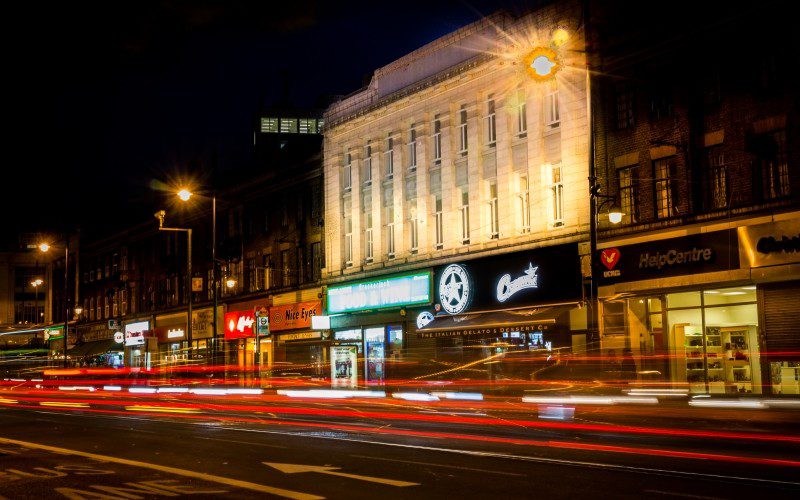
point(184, 194)
point(79, 310)
point(230, 282)
point(44, 247)
point(37, 282)
point(615, 214)
point(542, 63)
point(560, 37)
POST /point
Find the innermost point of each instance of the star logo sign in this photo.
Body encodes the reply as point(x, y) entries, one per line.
point(455, 290)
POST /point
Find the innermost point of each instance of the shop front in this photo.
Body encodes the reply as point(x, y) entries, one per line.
point(203, 338)
point(296, 348)
point(369, 325)
point(239, 330)
point(170, 331)
point(98, 346)
point(141, 346)
point(685, 311)
point(54, 337)
point(504, 316)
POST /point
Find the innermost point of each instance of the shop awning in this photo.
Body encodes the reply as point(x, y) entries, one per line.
point(94, 348)
point(494, 323)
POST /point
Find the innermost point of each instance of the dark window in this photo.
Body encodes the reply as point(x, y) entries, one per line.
point(629, 193)
point(660, 103)
point(625, 107)
point(773, 164)
point(316, 262)
point(717, 186)
point(664, 176)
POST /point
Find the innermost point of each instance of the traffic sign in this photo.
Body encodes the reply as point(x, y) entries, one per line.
point(263, 326)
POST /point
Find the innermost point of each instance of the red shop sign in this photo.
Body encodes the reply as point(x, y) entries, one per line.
point(239, 325)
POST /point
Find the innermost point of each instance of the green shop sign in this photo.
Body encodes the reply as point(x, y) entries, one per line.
point(395, 291)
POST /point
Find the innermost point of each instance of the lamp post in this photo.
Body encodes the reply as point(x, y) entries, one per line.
point(36, 284)
point(45, 247)
point(185, 194)
point(160, 215)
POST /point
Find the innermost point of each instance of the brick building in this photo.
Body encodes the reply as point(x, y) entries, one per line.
point(696, 123)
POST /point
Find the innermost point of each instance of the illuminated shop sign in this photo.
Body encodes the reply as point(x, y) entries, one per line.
point(518, 279)
point(770, 244)
point(135, 333)
point(239, 324)
point(697, 253)
point(293, 316)
point(395, 291)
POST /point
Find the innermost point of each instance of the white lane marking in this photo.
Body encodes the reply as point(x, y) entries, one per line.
point(248, 443)
point(559, 461)
point(472, 469)
point(334, 471)
point(236, 483)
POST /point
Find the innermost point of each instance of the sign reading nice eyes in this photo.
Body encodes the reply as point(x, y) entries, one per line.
point(381, 293)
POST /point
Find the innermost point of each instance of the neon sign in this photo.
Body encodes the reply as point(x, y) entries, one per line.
point(395, 291)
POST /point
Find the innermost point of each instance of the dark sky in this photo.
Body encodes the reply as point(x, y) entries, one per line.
point(102, 97)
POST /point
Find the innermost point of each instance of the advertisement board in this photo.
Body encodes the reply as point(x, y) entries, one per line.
point(697, 253)
point(239, 325)
point(135, 333)
point(542, 275)
point(293, 316)
point(770, 244)
point(344, 366)
point(381, 293)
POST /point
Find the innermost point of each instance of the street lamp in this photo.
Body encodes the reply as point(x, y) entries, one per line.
point(36, 284)
point(44, 248)
point(184, 194)
point(230, 283)
point(161, 215)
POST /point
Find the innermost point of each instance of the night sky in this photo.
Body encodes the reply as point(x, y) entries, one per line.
point(102, 97)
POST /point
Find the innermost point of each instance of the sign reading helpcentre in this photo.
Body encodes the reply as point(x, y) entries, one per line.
point(394, 291)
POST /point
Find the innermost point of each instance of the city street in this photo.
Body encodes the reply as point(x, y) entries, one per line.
point(125, 446)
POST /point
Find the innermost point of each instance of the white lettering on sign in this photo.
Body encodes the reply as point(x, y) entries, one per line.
point(507, 287)
point(245, 322)
point(175, 333)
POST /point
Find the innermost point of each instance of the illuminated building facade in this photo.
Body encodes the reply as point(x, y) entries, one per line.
point(475, 145)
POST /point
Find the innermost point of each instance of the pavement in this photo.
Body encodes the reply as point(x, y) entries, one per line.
point(88, 445)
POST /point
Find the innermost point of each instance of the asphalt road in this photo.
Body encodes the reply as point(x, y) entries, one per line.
point(80, 452)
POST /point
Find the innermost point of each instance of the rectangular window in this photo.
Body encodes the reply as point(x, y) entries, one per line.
point(300, 265)
point(625, 114)
point(368, 164)
point(390, 247)
point(629, 199)
point(316, 262)
point(269, 125)
point(286, 268)
point(462, 130)
point(660, 103)
point(663, 175)
point(115, 307)
point(718, 178)
point(524, 205)
point(288, 125)
point(494, 217)
point(412, 149)
point(308, 126)
point(464, 217)
point(437, 141)
point(552, 118)
point(347, 172)
point(123, 294)
point(348, 242)
point(389, 158)
point(91, 309)
point(368, 241)
point(557, 194)
point(774, 163)
point(253, 283)
point(522, 115)
point(491, 122)
point(414, 231)
point(439, 223)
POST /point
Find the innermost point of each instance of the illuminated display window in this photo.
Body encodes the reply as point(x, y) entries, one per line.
point(308, 126)
point(289, 125)
point(269, 125)
point(395, 291)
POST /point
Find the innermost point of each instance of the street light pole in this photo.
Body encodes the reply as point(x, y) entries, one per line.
point(214, 276)
point(66, 298)
point(160, 215)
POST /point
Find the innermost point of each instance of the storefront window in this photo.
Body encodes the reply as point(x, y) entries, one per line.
point(710, 343)
point(375, 359)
